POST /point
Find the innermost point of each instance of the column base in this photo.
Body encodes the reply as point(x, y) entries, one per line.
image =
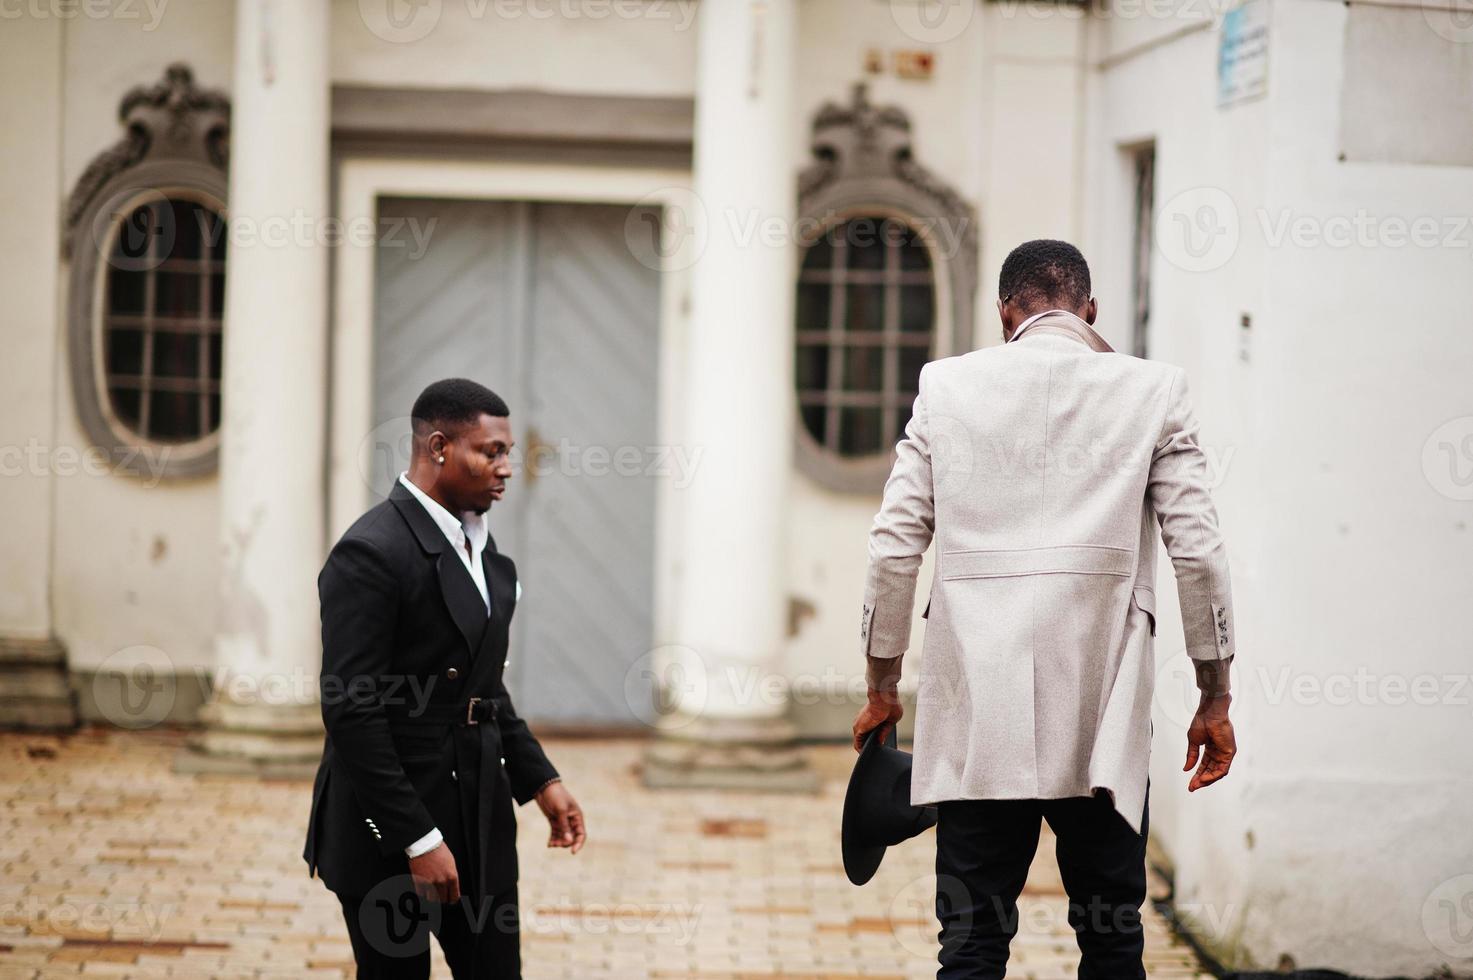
point(277, 741)
point(35, 691)
point(740, 754)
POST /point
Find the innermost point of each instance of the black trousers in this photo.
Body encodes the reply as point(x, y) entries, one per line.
point(390, 930)
point(983, 850)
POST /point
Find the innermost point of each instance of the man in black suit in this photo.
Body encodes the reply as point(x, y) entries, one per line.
point(412, 823)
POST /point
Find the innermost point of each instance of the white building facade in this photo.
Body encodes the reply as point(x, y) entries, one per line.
point(702, 249)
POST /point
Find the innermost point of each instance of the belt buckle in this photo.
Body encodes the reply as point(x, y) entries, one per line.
point(470, 712)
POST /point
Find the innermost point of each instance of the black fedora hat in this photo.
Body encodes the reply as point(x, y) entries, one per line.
point(877, 810)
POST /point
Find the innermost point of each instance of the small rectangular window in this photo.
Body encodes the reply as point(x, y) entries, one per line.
point(1144, 229)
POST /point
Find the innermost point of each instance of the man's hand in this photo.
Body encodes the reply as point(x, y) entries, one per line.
point(435, 877)
point(1211, 735)
point(564, 816)
point(880, 711)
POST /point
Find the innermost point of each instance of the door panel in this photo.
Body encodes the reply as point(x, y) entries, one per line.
point(545, 304)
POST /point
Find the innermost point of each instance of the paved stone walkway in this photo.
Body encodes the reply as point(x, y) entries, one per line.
point(114, 865)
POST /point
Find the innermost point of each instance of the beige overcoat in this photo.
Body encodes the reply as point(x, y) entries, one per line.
point(1042, 469)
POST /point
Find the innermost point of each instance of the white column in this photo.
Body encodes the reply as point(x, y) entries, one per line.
point(272, 436)
point(731, 598)
point(34, 688)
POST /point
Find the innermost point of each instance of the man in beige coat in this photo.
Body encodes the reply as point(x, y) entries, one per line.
point(1041, 469)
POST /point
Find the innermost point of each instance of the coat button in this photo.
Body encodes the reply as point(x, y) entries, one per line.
point(452, 673)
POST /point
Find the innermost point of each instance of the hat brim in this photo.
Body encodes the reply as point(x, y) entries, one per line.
point(861, 859)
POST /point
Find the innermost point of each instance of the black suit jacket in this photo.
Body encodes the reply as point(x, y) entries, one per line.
point(406, 645)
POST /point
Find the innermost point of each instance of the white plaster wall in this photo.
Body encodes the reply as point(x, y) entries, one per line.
point(1345, 819)
point(134, 563)
point(1124, 27)
point(30, 80)
point(615, 47)
point(1031, 119)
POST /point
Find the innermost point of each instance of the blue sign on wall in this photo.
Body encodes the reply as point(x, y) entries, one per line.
point(1242, 54)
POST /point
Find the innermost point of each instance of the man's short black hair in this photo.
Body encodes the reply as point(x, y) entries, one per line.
point(1045, 273)
point(455, 402)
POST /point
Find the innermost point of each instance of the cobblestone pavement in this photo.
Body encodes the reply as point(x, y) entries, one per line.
point(115, 865)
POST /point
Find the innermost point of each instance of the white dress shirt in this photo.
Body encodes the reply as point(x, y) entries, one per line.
point(470, 528)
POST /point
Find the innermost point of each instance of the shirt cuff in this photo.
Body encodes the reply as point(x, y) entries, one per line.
point(425, 844)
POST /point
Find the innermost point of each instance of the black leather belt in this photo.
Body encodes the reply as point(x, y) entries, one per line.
point(472, 712)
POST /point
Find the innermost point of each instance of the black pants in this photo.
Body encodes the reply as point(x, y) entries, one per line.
point(983, 850)
point(390, 931)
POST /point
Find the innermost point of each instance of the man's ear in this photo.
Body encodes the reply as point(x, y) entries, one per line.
point(1002, 314)
point(1091, 311)
point(436, 444)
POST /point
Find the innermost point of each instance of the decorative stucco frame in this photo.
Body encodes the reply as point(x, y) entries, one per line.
point(863, 166)
point(175, 145)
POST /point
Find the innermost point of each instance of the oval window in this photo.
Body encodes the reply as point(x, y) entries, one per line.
point(160, 323)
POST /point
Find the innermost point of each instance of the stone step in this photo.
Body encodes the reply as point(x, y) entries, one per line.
point(35, 689)
point(38, 714)
point(15, 651)
point(33, 682)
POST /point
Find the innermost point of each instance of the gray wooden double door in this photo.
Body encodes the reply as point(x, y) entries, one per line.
point(545, 305)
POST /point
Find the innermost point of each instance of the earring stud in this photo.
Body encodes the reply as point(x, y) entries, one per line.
point(440, 460)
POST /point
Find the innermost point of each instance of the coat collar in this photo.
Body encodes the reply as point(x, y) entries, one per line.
point(426, 531)
point(1061, 323)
